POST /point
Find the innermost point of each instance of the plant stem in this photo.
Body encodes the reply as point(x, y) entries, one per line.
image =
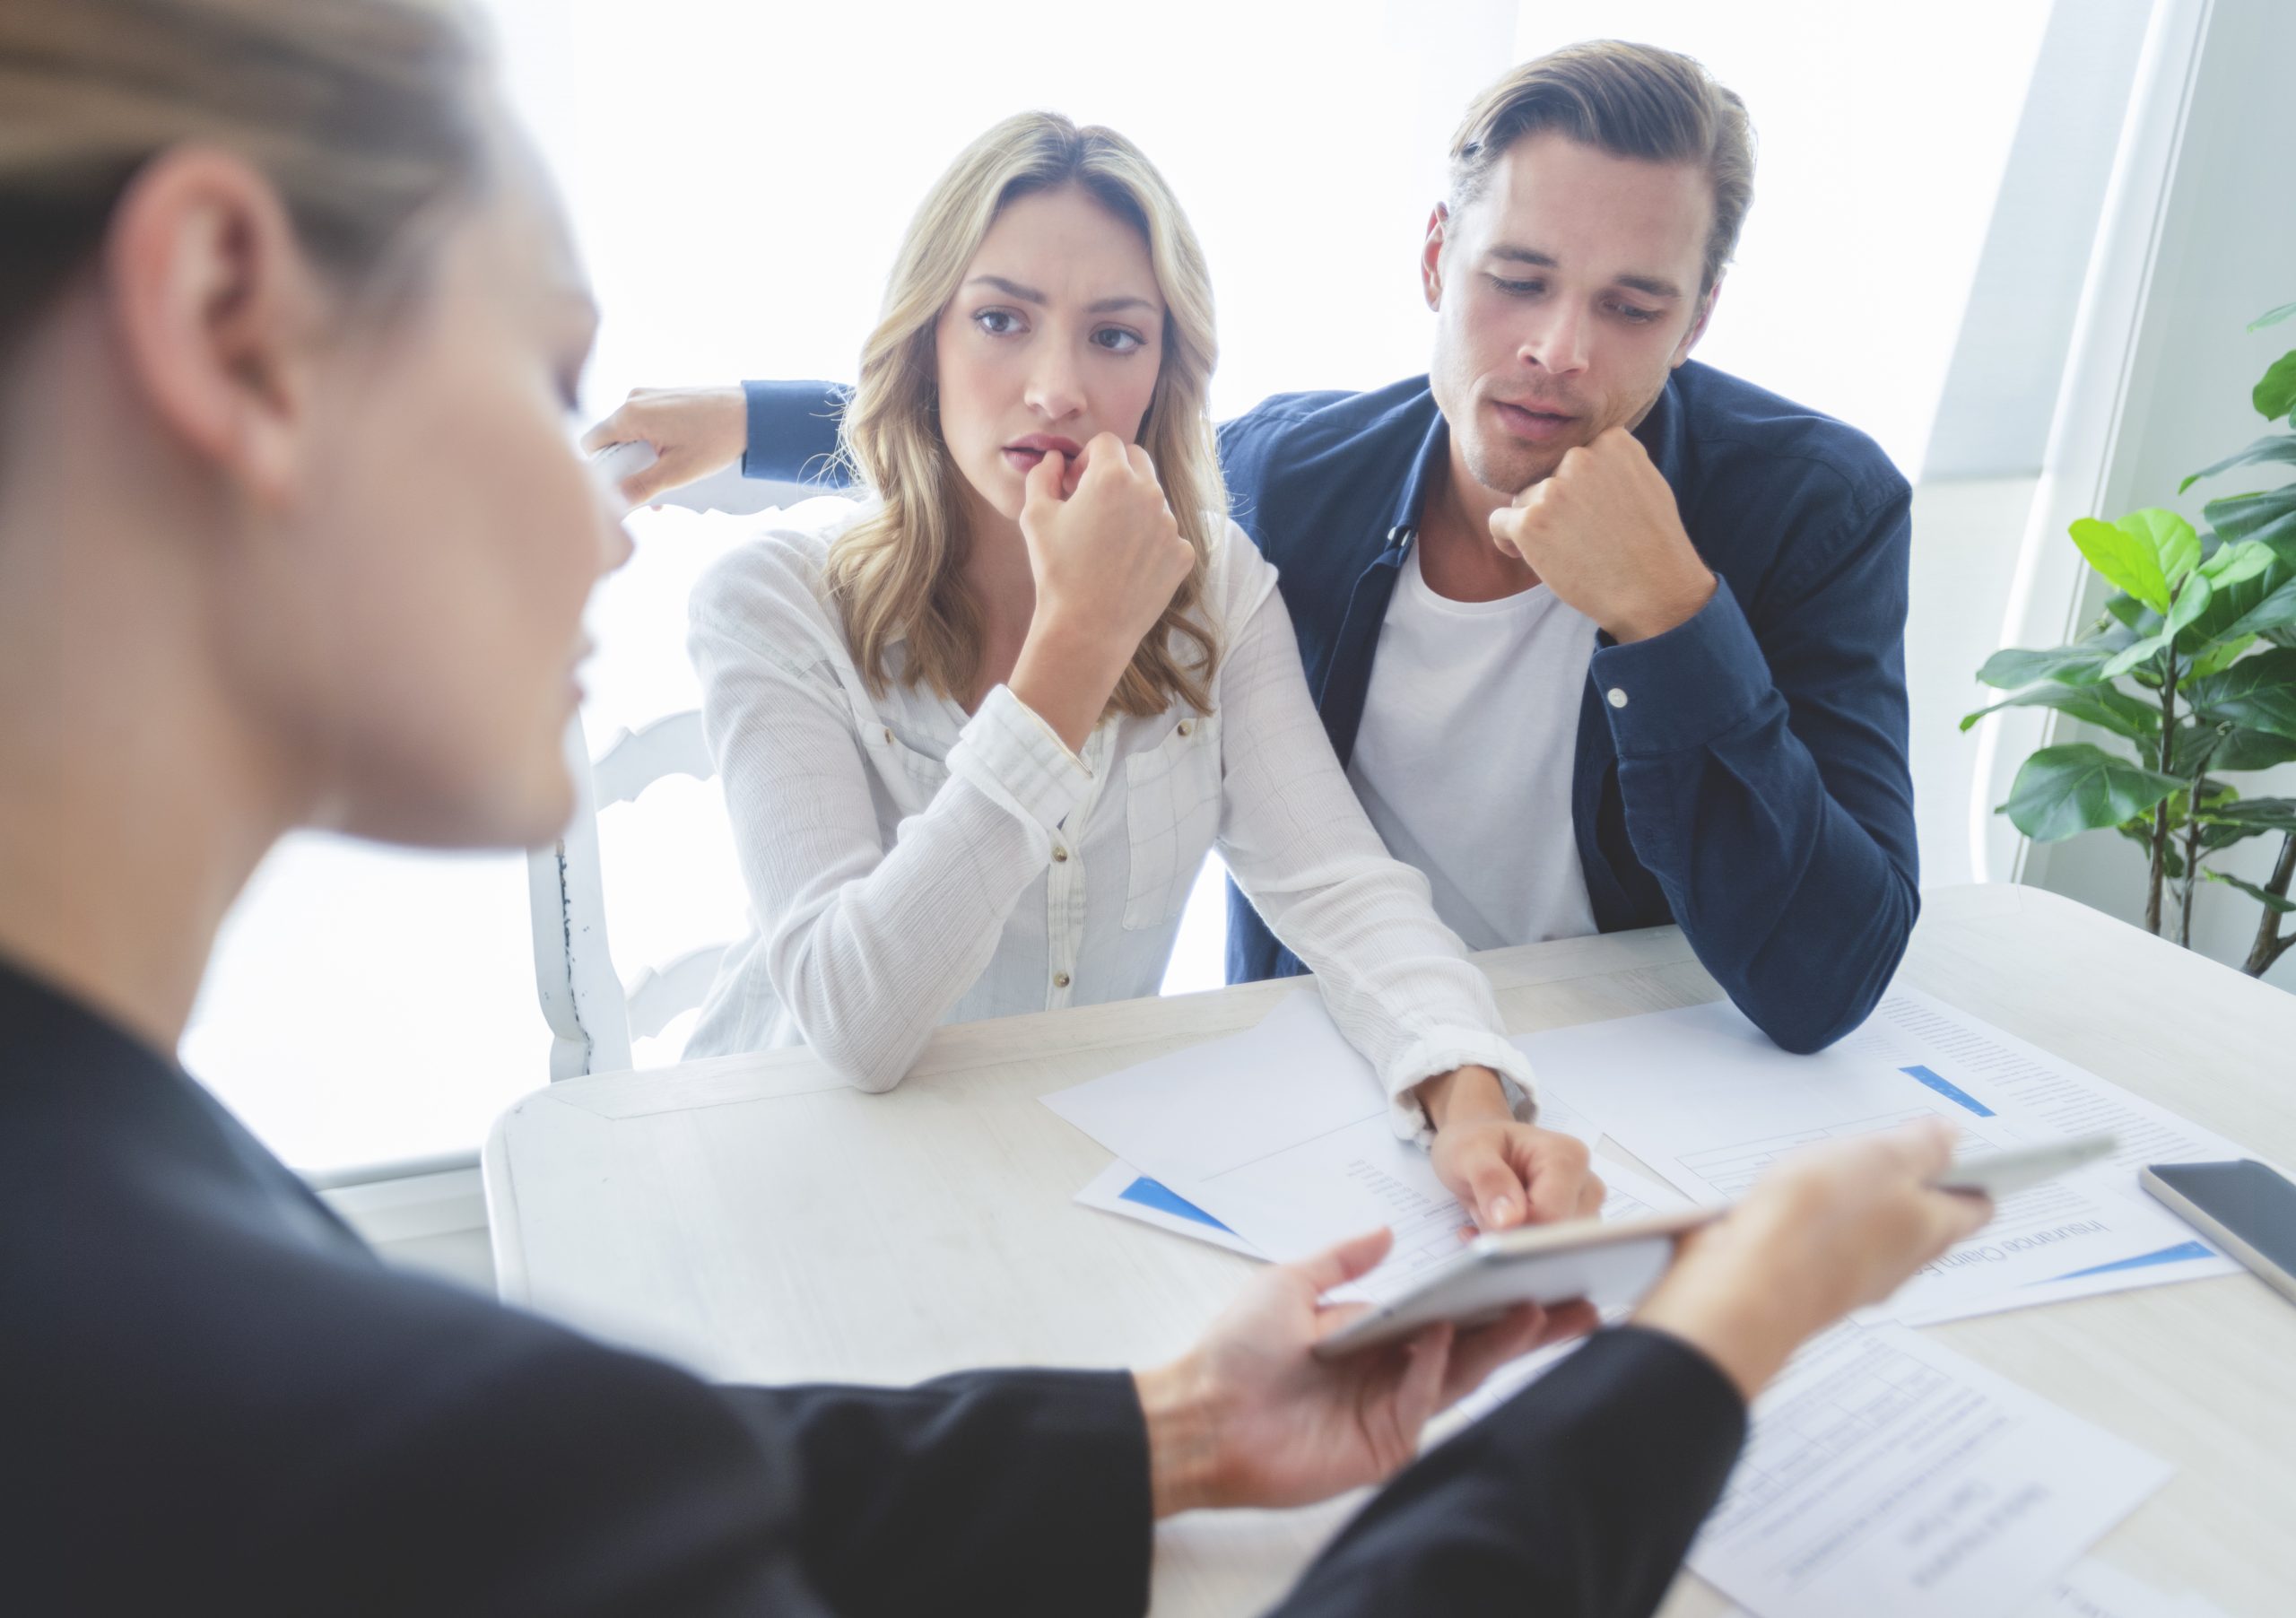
point(2270, 945)
point(2160, 809)
point(2192, 865)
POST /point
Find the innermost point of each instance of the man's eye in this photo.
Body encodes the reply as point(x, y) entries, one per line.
point(1638, 316)
point(1517, 289)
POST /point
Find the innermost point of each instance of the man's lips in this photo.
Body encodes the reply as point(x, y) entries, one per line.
point(1533, 421)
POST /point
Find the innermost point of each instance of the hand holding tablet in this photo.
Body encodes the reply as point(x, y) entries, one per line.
point(1614, 1265)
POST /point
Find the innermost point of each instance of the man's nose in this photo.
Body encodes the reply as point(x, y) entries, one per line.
point(1559, 343)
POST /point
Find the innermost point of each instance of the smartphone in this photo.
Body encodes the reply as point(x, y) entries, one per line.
point(2245, 1208)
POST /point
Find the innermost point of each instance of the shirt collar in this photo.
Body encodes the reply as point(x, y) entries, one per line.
point(1428, 469)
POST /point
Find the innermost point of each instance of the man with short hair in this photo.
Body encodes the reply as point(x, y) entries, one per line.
point(1606, 637)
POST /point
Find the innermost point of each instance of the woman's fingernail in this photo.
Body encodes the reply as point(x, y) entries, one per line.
point(1502, 1211)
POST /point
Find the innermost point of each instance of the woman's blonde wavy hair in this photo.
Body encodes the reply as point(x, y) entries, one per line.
point(899, 574)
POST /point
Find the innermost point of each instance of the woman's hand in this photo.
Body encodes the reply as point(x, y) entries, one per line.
point(1829, 1230)
point(1107, 559)
point(1506, 1173)
point(694, 431)
point(1250, 1417)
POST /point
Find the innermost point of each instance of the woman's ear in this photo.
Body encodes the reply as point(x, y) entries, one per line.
point(216, 309)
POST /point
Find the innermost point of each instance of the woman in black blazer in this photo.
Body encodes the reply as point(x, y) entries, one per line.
point(291, 534)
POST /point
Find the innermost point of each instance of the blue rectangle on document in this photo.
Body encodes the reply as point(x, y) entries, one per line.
point(1945, 1087)
point(1152, 1193)
point(2175, 1254)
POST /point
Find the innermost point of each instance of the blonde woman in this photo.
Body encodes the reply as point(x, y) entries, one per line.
point(978, 729)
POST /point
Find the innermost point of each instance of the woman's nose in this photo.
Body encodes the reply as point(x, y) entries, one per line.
point(1056, 388)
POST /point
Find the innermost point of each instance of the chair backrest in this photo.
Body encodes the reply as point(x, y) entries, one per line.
point(593, 1017)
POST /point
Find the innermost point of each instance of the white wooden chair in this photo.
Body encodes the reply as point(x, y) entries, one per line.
point(593, 1017)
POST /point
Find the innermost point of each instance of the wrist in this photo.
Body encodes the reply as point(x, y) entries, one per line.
point(1666, 609)
point(1066, 677)
point(1747, 1317)
point(1184, 1466)
point(1464, 1095)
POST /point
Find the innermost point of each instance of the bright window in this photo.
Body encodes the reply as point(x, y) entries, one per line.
point(738, 176)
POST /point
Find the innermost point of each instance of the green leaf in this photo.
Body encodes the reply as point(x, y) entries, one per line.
point(2271, 901)
point(2222, 656)
point(2192, 600)
point(2100, 705)
point(2074, 664)
point(2275, 396)
point(2129, 657)
point(2279, 446)
point(2129, 558)
point(2273, 317)
point(2257, 814)
point(2274, 612)
point(2133, 614)
point(2268, 516)
point(2259, 692)
point(2237, 562)
point(2232, 747)
point(2077, 788)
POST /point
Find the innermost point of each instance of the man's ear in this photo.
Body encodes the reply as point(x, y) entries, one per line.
point(1697, 325)
point(1430, 256)
point(215, 304)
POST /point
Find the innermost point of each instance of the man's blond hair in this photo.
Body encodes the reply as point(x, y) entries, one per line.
point(1630, 100)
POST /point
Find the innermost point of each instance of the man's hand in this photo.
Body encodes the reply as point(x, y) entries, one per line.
point(1250, 1417)
point(1603, 532)
point(694, 432)
point(1508, 1173)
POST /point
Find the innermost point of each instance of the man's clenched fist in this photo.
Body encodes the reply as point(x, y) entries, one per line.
point(1603, 532)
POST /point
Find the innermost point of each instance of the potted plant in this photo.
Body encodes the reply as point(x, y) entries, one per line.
point(2191, 665)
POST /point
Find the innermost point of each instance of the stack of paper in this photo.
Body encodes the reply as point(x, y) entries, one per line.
point(1883, 1475)
point(1702, 1097)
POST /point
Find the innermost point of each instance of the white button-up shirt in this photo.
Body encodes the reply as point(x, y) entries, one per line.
point(909, 864)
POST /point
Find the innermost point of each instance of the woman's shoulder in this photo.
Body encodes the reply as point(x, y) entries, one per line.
point(1237, 577)
point(773, 584)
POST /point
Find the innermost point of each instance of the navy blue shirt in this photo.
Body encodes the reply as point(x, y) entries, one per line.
point(1752, 786)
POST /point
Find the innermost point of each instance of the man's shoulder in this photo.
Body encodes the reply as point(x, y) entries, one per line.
point(1320, 469)
point(1336, 416)
point(1739, 434)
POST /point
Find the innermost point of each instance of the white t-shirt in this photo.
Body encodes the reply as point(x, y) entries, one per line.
point(1464, 756)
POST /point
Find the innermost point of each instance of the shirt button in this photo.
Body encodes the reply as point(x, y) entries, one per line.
point(1059, 854)
point(1618, 696)
point(888, 732)
point(1187, 727)
point(1060, 980)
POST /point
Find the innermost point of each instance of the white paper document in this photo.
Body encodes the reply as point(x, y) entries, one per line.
point(1705, 1099)
point(1281, 1134)
point(1122, 1189)
point(1887, 1476)
point(2097, 1589)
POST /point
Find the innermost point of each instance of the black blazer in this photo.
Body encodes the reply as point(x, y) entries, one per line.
point(214, 1398)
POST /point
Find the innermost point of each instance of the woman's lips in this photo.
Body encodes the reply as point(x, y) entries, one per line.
point(1539, 426)
point(1025, 453)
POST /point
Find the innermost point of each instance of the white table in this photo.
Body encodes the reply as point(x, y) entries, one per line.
point(758, 1220)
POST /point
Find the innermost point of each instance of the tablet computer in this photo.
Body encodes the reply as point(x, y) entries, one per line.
point(1612, 1264)
point(1608, 1262)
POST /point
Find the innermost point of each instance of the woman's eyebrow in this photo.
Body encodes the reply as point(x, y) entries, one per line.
point(1029, 294)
